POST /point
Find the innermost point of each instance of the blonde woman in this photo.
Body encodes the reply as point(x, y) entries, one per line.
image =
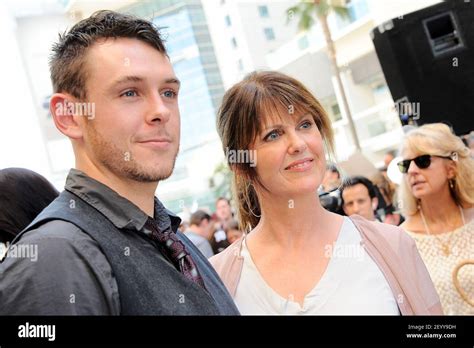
point(438, 197)
point(299, 258)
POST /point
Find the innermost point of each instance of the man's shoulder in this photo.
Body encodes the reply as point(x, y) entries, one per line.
point(59, 231)
point(58, 240)
point(49, 264)
point(195, 238)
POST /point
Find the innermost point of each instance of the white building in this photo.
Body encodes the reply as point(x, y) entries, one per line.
point(302, 55)
point(245, 35)
point(245, 31)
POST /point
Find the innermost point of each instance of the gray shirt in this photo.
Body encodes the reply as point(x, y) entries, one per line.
point(201, 243)
point(58, 269)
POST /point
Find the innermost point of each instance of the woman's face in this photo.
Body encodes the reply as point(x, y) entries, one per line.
point(290, 155)
point(430, 181)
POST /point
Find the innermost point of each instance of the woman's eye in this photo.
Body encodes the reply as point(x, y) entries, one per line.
point(170, 94)
point(272, 135)
point(306, 124)
point(130, 93)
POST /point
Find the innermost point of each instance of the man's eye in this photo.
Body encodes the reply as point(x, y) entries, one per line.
point(130, 93)
point(170, 94)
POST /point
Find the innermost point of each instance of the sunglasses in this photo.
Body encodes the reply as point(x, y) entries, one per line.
point(421, 162)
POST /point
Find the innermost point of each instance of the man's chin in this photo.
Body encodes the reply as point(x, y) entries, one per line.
point(149, 176)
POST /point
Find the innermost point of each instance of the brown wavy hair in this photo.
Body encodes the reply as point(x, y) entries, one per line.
point(240, 120)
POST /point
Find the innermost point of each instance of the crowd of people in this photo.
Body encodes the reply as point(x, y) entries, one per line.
point(295, 236)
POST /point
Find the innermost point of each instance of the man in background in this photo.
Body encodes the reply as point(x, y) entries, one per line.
point(359, 197)
point(223, 215)
point(198, 232)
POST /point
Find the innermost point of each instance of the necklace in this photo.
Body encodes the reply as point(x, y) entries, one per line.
point(445, 246)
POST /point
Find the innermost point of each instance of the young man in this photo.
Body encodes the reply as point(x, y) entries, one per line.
point(359, 197)
point(198, 232)
point(107, 245)
point(223, 215)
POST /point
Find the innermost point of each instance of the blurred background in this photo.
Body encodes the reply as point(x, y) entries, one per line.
point(212, 45)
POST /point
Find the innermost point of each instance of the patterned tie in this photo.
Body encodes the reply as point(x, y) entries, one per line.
point(176, 251)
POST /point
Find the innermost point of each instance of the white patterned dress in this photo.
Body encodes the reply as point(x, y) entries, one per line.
point(441, 266)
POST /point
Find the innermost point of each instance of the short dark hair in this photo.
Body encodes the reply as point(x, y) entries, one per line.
point(355, 180)
point(198, 216)
point(23, 195)
point(67, 63)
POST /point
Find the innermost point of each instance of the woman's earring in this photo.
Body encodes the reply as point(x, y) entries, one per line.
point(451, 183)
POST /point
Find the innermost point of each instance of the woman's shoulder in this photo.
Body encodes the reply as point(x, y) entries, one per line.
point(377, 232)
point(225, 258)
point(413, 225)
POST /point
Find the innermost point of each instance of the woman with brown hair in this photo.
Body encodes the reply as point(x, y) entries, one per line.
point(438, 196)
point(299, 258)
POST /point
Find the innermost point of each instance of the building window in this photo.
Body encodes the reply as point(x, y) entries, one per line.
point(303, 42)
point(234, 42)
point(263, 11)
point(269, 34)
point(240, 65)
point(336, 112)
point(227, 21)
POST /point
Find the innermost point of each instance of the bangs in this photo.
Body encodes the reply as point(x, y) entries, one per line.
point(263, 99)
point(274, 107)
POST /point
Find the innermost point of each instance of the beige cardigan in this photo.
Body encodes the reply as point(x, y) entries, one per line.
point(392, 249)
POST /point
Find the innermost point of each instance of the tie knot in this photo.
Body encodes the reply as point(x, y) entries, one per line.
point(176, 250)
point(169, 239)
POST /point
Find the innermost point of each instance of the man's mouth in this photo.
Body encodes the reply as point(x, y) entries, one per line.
point(159, 142)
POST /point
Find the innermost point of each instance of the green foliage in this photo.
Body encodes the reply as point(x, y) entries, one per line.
point(221, 181)
point(307, 11)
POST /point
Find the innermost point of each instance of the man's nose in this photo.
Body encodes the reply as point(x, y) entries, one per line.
point(158, 110)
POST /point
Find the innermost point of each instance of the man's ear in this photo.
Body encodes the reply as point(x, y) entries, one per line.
point(375, 203)
point(62, 109)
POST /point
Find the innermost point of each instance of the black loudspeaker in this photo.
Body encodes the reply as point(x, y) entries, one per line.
point(427, 58)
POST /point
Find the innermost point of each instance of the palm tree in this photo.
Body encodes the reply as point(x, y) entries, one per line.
point(322, 8)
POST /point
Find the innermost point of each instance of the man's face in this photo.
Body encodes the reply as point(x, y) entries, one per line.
point(357, 201)
point(135, 132)
point(223, 211)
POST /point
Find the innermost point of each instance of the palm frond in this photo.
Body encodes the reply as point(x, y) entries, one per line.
point(342, 12)
point(322, 8)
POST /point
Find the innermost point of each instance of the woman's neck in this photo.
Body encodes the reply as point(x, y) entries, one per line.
point(292, 223)
point(441, 212)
